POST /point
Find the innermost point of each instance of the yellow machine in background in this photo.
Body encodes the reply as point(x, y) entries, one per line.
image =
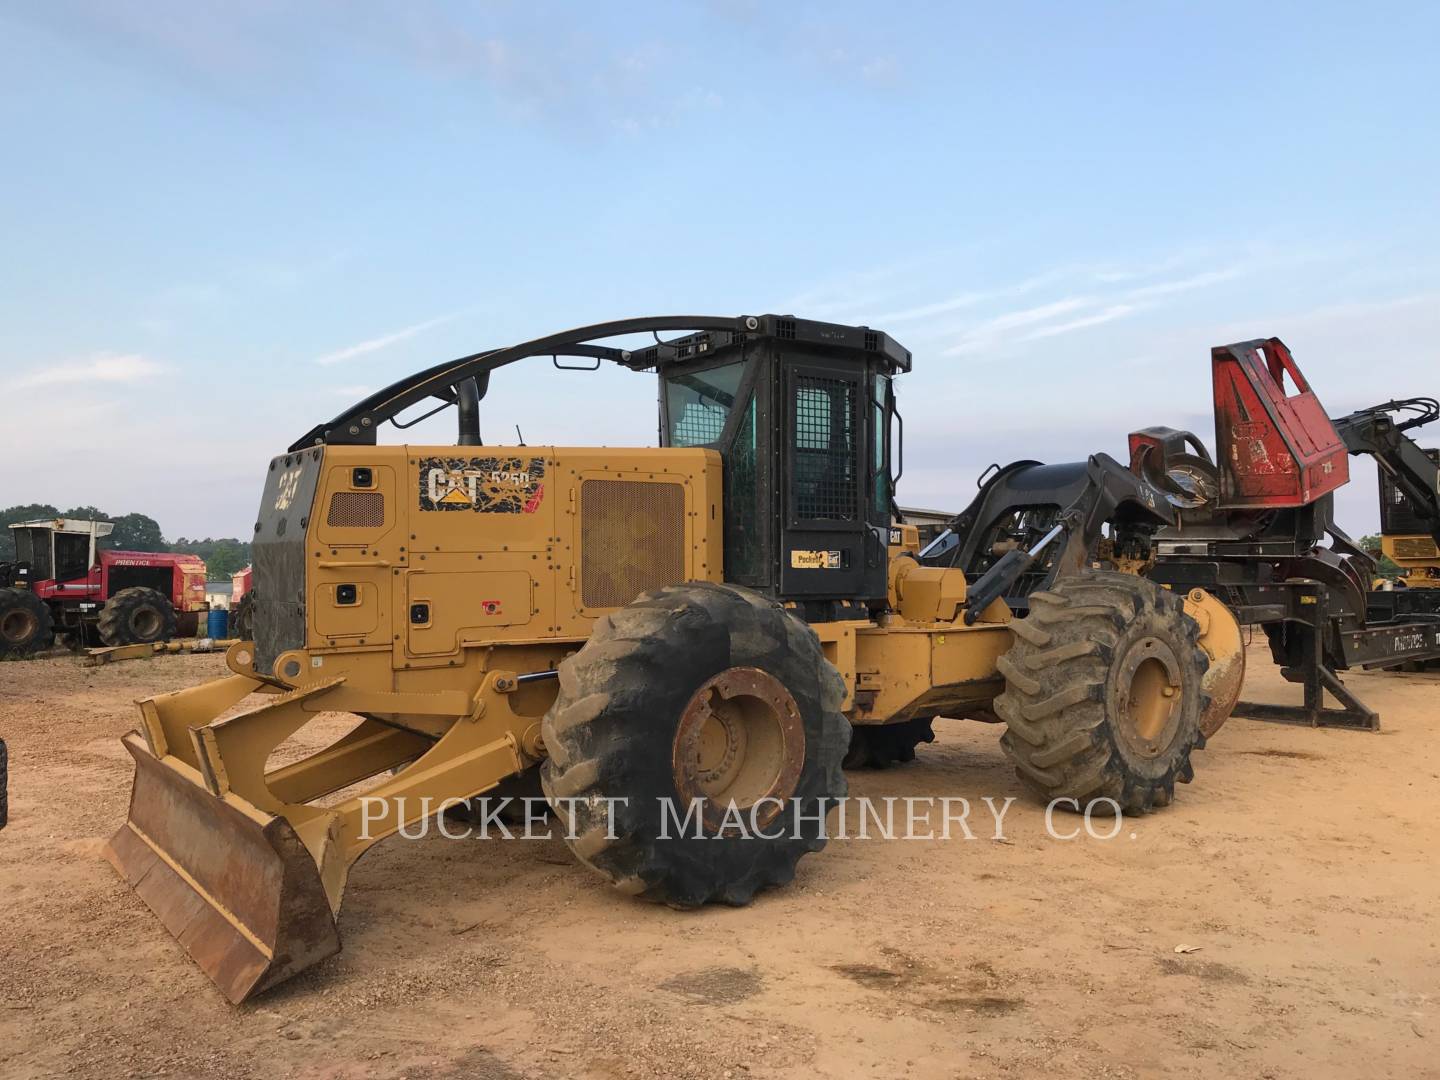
point(1407, 531)
point(708, 627)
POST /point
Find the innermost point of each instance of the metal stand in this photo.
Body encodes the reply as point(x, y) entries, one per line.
point(1315, 676)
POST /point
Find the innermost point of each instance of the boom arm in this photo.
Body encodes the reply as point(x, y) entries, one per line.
point(1377, 432)
point(1107, 487)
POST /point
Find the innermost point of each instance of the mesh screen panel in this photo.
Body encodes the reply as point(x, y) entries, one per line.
point(825, 487)
point(632, 540)
point(698, 425)
point(1396, 514)
point(356, 510)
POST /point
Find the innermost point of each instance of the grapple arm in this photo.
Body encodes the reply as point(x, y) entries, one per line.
point(1380, 432)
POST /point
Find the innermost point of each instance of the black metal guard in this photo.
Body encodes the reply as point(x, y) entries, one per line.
point(1308, 615)
point(358, 424)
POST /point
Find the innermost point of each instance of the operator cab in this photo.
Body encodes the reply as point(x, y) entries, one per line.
point(56, 549)
point(803, 419)
point(800, 411)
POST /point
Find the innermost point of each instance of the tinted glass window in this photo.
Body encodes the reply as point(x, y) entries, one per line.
point(699, 403)
point(72, 556)
point(881, 466)
point(744, 550)
point(37, 543)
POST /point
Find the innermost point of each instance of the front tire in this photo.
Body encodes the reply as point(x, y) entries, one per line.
point(693, 700)
point(26, 625)
point(1103, 694)
point(136, 616)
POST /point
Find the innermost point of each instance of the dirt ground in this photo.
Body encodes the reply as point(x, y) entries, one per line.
point(1301, 866)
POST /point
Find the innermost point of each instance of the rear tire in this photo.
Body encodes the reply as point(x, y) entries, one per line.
point(136, 616)
point(26, 625)
point(707, 696)
point(1103, 693)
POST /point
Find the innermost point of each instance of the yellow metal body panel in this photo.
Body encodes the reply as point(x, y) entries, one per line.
point(1418, 556)
point(926, 593)
point(516, 575)
point(913, 663)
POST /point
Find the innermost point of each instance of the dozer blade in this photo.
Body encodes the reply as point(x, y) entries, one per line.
point(233, 884)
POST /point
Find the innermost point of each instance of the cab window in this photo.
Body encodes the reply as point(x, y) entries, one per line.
point(698, 403)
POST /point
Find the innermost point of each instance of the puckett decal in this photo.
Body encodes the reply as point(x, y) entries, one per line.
point(815, 560)
point(488, 485)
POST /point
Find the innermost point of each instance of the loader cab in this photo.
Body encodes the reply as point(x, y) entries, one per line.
point(804, 420)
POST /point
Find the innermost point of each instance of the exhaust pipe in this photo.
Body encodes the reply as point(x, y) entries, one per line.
point(468, 393)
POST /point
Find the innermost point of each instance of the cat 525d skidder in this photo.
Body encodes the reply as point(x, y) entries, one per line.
point(701, 623)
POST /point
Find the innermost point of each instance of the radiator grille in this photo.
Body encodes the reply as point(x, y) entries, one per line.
point(1416, 547)
point(632, 540)
point(356, 510)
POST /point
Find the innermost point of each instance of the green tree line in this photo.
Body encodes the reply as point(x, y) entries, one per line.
point(133, 532)
point(1384, 565)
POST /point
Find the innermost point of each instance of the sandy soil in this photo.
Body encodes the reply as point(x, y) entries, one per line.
point(1301, 863)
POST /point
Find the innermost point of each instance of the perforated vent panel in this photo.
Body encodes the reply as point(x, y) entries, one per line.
point(1416, 547)
point(632, 540)
point(356, 510)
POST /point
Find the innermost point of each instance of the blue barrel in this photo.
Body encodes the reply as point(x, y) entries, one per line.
point(216, 623)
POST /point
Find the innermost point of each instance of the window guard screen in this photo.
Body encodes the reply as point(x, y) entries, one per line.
point(823, 471)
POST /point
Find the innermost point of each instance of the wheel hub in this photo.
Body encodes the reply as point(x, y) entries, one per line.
point(740, 741)
point(146, 623)
point(17, 626)
point(1148, 699)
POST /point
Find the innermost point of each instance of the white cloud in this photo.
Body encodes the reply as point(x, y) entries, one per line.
point(925, 311)
point(1118, 311)
point(1196, 281)
point(1040, 321)
point(102, 367)
point(969, 299)
point(987, 332)
point(375, 344)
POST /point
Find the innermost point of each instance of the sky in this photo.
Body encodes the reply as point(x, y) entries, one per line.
point(224, 222)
